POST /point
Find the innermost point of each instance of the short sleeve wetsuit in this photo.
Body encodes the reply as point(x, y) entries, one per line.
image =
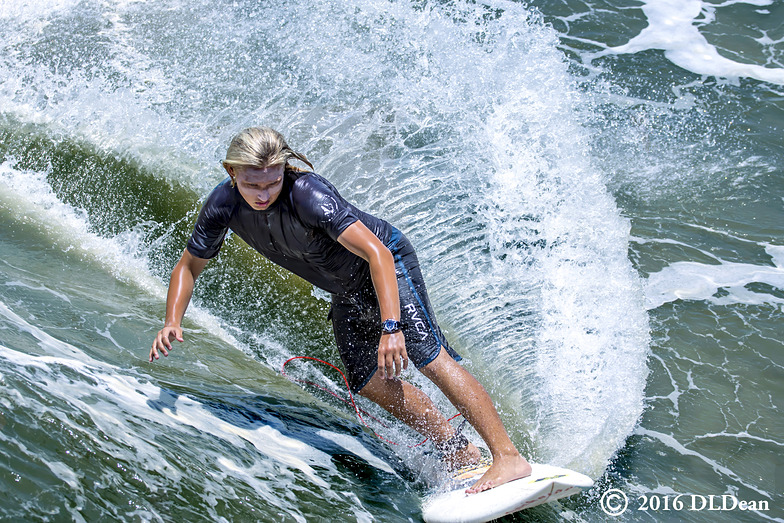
point(299, 232)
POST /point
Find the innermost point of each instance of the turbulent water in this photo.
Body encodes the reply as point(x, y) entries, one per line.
point(594, 189)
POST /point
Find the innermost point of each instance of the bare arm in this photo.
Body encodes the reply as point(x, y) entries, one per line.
point(361, 241)
point(181, 285)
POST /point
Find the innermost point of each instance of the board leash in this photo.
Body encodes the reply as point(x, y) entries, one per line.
point(350, 401)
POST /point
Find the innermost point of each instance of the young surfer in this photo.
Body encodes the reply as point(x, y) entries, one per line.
point(380, 311)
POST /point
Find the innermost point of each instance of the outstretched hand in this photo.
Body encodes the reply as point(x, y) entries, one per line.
point(392, 355)
point(162, 341)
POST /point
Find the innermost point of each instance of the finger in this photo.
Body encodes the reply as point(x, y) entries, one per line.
point(160, 346)
point(403, 353)
point(398, 363)
point(176, 334)
point(390, 367)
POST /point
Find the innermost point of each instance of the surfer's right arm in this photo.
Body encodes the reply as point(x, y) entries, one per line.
point(181, 284)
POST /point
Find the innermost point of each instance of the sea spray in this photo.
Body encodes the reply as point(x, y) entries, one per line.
point(479, 156)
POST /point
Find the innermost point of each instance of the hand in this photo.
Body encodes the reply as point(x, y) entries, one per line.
point(392, 356)
point(163, 341)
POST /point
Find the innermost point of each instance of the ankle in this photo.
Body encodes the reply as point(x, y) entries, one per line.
point(506, 454)
point(467, 456)
point(452, 445)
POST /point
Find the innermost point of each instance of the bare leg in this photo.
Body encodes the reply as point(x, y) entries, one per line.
point(471, 399)
point(412, 406)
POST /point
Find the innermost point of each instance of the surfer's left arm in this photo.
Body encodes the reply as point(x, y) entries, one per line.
point(360, 240)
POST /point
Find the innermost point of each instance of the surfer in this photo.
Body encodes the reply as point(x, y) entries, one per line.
point(380, 313)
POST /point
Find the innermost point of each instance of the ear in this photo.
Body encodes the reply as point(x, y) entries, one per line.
point(230, 170)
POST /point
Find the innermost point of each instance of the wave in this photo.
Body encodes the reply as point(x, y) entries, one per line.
point(480, 156)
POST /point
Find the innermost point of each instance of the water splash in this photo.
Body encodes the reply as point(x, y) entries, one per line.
point(480, 156)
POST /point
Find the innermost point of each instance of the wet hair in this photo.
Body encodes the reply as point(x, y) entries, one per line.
point(261, 147)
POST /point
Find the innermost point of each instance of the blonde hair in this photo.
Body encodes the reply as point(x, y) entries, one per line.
point(261, 147)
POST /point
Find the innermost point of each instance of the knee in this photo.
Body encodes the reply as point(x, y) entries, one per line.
point(438, 364)
point(444, 369)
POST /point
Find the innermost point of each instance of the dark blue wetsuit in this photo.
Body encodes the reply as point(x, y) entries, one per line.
point(299, 232)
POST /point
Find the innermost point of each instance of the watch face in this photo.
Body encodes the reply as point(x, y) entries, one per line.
point(391, 326)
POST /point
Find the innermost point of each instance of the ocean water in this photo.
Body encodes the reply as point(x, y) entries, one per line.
point(595, 190)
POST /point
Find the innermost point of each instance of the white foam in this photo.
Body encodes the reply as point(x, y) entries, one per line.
point(111, 399)
point(30, 197)
point(119, 407)
point(45, 340)
point(102, 381)
point(356, 448)
point(120, 116)
point(578, 282)
point(524, 251)
point(34, 10)
point(700, 281)
point(289, 452)
point(673, 28)
point(673, 443)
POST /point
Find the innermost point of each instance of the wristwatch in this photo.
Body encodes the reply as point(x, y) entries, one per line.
point(390, 326)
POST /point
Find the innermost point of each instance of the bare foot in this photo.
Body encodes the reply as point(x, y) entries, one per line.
point(503, 470)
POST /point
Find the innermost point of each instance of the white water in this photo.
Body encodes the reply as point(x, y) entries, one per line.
point(488, 170)
point(674, 27)
point(699, 281)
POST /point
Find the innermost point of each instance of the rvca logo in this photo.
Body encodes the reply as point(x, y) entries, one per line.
point(419, 325)
point(329, 206)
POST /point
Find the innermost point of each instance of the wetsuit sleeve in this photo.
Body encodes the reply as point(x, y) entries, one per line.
point(321, 207)
point(210, 230)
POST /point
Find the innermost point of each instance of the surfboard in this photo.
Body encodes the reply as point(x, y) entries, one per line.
point(546, 483)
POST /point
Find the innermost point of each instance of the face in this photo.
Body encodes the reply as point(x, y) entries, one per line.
point(259, 187)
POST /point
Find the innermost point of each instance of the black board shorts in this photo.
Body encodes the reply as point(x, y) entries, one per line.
point(356, 319)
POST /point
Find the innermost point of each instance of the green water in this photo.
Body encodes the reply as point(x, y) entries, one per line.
point(600, 230)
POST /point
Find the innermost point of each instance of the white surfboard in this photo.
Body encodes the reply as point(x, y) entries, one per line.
point(546, 483)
